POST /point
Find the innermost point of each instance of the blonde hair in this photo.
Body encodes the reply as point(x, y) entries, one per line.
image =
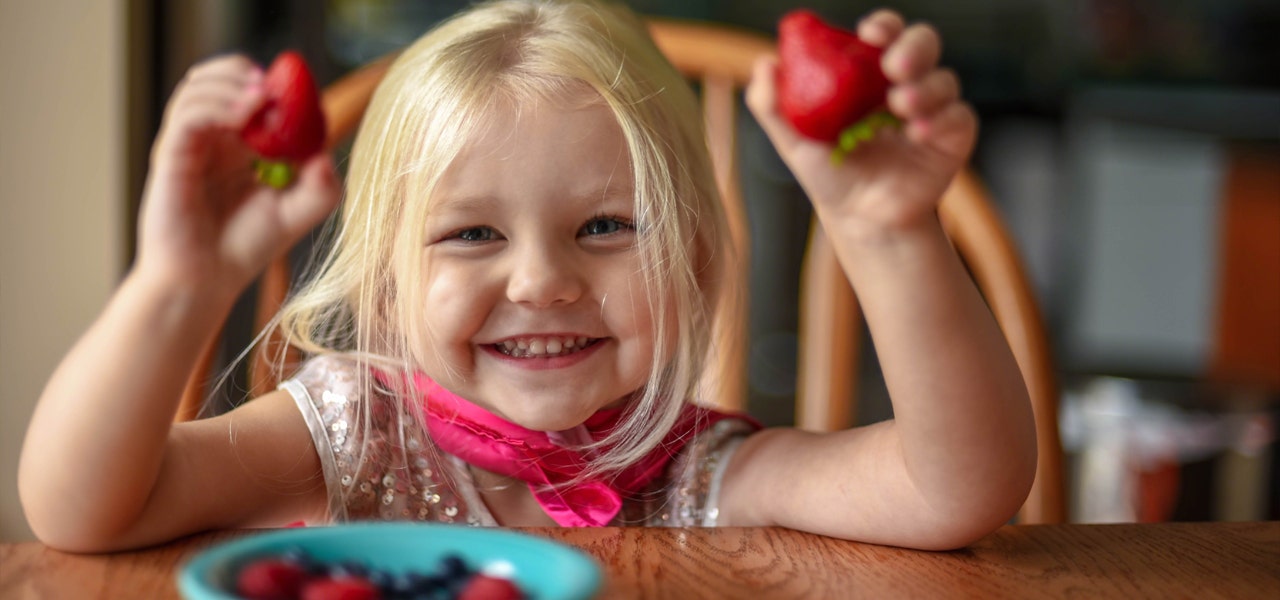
point(436, 97)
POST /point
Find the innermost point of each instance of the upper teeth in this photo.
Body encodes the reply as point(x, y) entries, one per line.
point(551, 346)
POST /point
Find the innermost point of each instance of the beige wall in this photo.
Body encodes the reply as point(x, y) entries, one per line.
point(62, 198)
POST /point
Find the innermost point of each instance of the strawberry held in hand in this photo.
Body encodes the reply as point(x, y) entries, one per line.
point(289, 128)
point(829, 82)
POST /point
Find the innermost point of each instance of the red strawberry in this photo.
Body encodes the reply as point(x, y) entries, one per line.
point(340, 588)
point(270, 579)
point(484, 587)
point(828, 80)
point(290, 125)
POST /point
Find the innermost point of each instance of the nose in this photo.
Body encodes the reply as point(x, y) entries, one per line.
point(544, 276)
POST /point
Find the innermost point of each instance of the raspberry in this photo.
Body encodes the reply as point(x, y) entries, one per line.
point(484, 587)
point(340, 588)
point(297, 576)
point(270, 579)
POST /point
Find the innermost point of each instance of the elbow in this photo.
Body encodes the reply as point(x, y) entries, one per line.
point(68, 535)
point(989, 508)
point(64, 535)
point(73, 544)
point(959, 534)
point(961, 530)
point(61, 527)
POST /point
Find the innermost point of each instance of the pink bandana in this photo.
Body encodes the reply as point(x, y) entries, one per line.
point(542, 459)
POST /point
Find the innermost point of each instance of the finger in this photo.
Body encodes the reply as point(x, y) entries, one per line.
point(238, 102)
point(197, 115)
point(920, 98)
point(913, 54)
point(311, 199)
point(231, 73)
point(238, 97)
point(951, 130)
point(186, 125)
point(189, 130)
point(235, 68)
point(881, 27)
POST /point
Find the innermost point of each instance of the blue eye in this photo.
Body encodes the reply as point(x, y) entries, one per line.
point(475, 234)
point(606, 226)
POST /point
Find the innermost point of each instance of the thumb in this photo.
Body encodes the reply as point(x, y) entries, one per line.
point(762, 100)
point(313, 196)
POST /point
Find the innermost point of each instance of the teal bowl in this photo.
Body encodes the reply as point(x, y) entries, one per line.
point(541, 568)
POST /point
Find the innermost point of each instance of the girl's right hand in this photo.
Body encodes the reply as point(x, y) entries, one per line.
point(206, 222)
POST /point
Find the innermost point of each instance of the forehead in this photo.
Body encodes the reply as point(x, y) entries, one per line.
point(573, 147)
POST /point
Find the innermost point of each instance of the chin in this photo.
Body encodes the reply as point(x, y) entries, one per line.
point(545, 416)
point(540, 421)
point(550, 410)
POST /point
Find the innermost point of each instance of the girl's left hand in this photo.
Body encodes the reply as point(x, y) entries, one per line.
point(898, 177)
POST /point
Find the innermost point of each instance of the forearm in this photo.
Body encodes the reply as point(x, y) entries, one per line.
point(97, 439)
point(962, 413)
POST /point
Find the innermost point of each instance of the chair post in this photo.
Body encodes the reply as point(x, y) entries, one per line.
point(826, 395)
point(732, 343)
point(980, 237)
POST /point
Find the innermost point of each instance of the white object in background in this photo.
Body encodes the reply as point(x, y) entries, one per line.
point(1117, 434)
point(1101, 428)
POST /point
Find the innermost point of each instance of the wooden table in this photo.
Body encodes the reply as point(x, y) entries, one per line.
point(1173, 560)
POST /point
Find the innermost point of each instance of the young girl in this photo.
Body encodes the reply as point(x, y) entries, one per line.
point(510, 328)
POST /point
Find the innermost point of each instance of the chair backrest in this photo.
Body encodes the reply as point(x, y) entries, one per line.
point(720, 59)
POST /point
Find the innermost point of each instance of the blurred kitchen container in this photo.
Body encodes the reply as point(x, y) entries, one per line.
point(1151, 450)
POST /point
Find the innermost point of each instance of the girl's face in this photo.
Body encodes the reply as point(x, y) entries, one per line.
point(535, 299)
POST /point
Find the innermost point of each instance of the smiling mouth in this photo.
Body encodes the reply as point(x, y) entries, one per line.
point(544, 347)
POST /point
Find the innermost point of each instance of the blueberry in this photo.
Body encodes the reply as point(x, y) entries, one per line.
point(456, 584)
point(299, 556)
point(296, 554)
point(433, 583)
point(381, 579)
point(452, 566)
point(404, 584)
point(348, 568)
point(438, 594)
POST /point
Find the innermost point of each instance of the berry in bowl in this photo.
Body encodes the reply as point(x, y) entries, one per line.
point(390, 560)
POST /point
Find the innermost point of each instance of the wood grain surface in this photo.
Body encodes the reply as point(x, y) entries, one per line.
point(1169, 560)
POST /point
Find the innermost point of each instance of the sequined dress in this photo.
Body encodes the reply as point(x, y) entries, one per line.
point(399, 475)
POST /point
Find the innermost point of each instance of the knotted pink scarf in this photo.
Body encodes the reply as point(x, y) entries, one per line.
point(542, 459)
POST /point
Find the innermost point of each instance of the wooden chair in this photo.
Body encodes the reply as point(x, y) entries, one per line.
point(720, 59)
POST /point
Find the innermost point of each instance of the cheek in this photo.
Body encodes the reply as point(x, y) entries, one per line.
point(452, 309)
point(636, 319)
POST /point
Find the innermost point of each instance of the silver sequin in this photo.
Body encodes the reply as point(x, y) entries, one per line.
point(401, 476)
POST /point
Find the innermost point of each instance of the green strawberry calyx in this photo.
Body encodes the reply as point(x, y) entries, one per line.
point(862, 131)
point(277, 174)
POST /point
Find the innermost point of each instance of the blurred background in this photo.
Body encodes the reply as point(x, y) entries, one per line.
point(1133, 148)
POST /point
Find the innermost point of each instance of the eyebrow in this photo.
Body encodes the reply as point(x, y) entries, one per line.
point(610, 194)
point(465, 204)
point(468, 203)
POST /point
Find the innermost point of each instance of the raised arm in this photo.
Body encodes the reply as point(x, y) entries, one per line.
point(959, 457)
point(101, 466)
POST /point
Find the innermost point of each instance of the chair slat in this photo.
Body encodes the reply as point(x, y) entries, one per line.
point(982, 240)
point(273, 287)
point(826, 391)
point(719, 100)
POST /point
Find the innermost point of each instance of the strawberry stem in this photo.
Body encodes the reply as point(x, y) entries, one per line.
point(277, 174)
point(862, 131)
